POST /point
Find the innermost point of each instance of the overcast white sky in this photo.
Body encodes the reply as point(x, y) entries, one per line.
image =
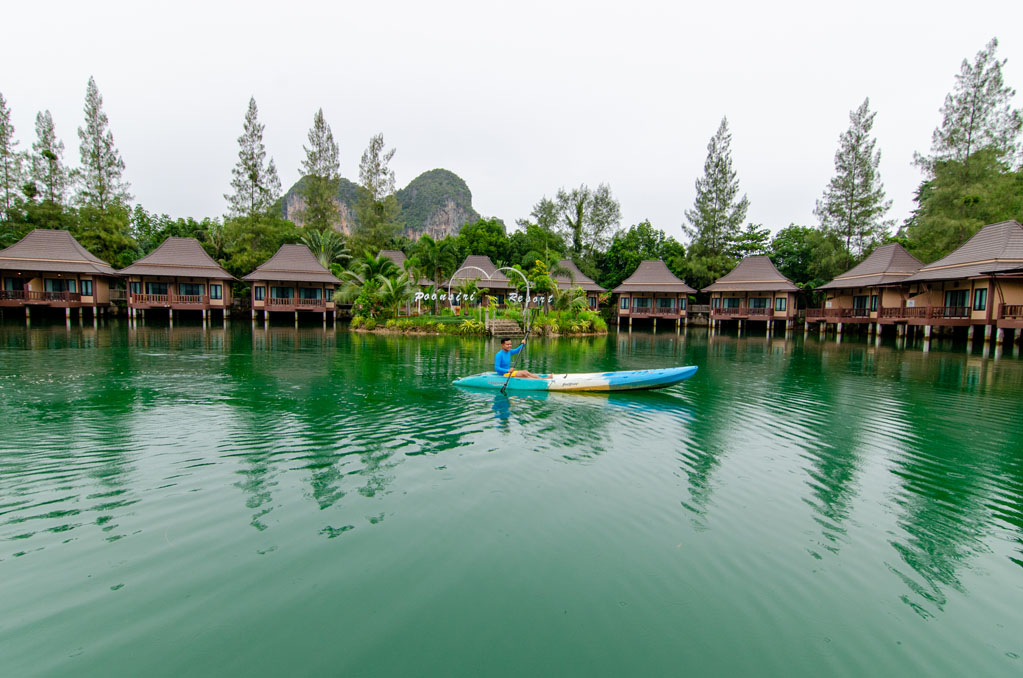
point(518, 98)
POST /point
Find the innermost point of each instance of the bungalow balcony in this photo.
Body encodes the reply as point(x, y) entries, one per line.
point(951, 316)
point(15, 298)
point(744, 313)
point(652, 312)
point(838, 315)
point(297, 304)
point(182, 302)
point(1010, 315)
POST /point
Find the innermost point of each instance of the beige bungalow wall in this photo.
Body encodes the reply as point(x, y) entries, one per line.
point(37, 283)
point(267, 284)
point(172, 282)
point(680, 300)
point(790, 301)
point(1008, 291)
point(887, 297)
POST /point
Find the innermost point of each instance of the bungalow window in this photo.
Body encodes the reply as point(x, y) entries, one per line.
point(86, 288)
point(59, 285)
point(328, 294)
point(781, 303)
point(216, 291)
point(980, 299)
point(310, 293)
point(641, 302)
point(282, 292)
point(135, 288)
point(955, 298)
point(682, 303)
point(190, 289)
point(758, 302)
point(156, 288)
point(860, 301)
point(623, 303)
point(715, 302)
point(731, 302)
point(665, 303)
point(873, 302)
point(12, 284)
point(259, 291)
point(593, 302)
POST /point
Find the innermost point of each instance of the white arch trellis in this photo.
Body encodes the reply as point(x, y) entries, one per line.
point(525, 302)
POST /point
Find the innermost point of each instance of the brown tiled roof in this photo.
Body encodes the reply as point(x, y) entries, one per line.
point(577, 279)
point(887, 265)
point(47, 249)
point(753, 274)
point(178, 257)
point(994, 248)
point(293, 263)
point(653, 276)
point(490, 278)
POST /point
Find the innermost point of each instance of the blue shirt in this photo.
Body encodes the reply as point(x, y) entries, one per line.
point(502, 363)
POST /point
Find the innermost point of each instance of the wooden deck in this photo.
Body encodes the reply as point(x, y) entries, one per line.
point(18, 298)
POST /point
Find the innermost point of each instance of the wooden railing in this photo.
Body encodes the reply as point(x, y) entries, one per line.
point(292, 302)
point(137, 299)
point(698, 308)
point(927, 312)
point(1014, 311)
point(766, 311)
point(734, 310)
point(816, 313)
point(33, 295)
point(134, 298)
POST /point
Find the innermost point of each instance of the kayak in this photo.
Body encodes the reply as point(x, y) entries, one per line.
point(593, 381)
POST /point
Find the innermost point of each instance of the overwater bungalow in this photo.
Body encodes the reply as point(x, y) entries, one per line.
point(861, 294)
point(290, 281)
point(576, 278)
point(753, 291)
point(492, 282)
point(49, 268)
point(178, 276)
point(653, 292)
point(976, 286)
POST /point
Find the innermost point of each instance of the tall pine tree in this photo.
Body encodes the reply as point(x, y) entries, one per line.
point(321, 170)
point(256, 185)
point(50, 178)
point(853, 206)
point(977, 114)
point(715, 222)
point(718, 213)
point(377, 210)
point(10, 163)
point(100, 179)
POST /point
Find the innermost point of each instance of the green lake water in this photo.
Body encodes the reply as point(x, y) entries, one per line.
point(310, 502)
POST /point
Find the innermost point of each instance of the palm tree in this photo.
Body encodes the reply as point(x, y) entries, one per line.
point(364, 276)
point(393, 291)
point(328, 246)
point(437, 258)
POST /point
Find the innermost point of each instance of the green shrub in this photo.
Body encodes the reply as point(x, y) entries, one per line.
point(357, 321)
point(599, 325)
point(370, 324)
point(471, 327)
point(390, 324)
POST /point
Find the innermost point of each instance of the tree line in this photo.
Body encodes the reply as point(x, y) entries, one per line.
point(972, 177)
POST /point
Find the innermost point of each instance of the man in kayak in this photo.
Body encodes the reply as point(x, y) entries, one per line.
point(502, 363)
